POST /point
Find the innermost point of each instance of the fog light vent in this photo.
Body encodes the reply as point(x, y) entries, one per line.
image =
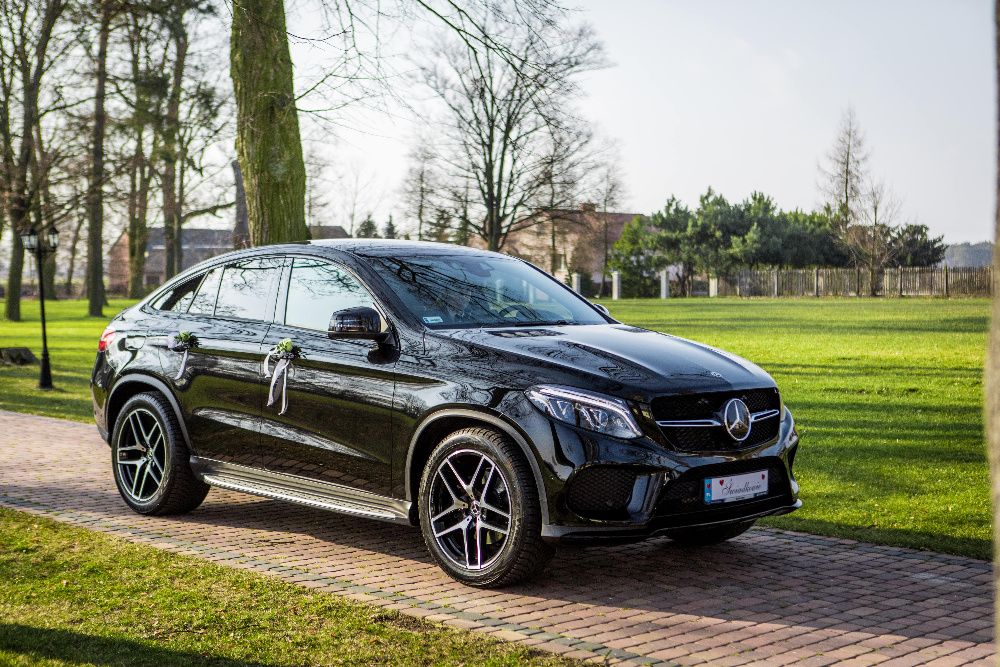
point(601, 491)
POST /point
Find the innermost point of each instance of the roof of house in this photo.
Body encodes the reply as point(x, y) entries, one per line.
point(201, 243)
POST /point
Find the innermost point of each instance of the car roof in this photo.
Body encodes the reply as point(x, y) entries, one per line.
point(396, 247)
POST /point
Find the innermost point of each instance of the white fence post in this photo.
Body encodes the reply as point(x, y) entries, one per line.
point(713, 287)
point(576, 282)
point(664, 284)
point(616, 285)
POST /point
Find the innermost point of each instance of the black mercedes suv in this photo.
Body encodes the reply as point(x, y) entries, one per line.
point(463, 391)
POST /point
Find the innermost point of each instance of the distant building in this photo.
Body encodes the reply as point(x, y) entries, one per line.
point(567, 241)
point(198, 245)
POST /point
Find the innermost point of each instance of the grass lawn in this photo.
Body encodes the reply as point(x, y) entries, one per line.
point(72, 347)
point(69, 596)
point(887, 395)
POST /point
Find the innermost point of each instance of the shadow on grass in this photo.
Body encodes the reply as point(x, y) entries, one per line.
point(79, 648)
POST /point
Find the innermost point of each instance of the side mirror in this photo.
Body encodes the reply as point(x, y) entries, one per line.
point(361, 322)
point(603, 309)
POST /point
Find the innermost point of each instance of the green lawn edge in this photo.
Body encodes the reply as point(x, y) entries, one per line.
point(70, 596)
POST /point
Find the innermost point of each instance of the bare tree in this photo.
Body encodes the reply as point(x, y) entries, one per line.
point(420, 187)
point(562, 176)
point(507, 120)
point(268, 138)
point(25, 57)
point(608, 191)
point(843, 178)
point(871, 241)
point(144, 95)
point(358, 198)
point(95, 190)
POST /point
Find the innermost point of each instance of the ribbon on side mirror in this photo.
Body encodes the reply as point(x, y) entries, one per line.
point(284, 353)
point(183, 341)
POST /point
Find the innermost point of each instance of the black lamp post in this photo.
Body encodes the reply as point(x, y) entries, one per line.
point(40, 246)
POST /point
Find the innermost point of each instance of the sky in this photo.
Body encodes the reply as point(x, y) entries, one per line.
point(745, 95)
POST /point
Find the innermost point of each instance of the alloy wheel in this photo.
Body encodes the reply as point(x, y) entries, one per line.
point(141, 455)
point(470, 509)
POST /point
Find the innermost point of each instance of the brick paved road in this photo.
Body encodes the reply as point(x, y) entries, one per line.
point(769, 597)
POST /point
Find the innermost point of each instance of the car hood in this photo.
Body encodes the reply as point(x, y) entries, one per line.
point(624, 360)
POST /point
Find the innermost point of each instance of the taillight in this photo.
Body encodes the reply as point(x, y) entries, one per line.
point(106, 339)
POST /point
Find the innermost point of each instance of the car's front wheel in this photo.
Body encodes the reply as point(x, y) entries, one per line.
point(151, 461)
point(479, 510)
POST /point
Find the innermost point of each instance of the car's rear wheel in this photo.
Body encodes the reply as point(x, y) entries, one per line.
point(710, 534)
point(479, 510)
point(151, 461)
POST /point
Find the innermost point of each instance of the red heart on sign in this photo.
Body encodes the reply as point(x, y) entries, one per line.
point(720, 482)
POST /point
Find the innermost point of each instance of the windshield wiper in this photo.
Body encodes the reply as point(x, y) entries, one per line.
point(540, 323)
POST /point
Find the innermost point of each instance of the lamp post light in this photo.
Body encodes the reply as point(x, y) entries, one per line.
point(40, 246)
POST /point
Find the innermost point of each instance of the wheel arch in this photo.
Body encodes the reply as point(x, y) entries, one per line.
point(134, 384)
point(442, 422)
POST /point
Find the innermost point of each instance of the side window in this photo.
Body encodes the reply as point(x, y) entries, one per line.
point(204, 299)
point(247, 289)
point(179, 298)
point(316, 290)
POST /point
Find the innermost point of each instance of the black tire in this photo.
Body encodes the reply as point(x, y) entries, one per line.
point(711, 534)
point(521, 553)
point(178, 490)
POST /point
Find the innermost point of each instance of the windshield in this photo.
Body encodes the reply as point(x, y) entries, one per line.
point(453, 291)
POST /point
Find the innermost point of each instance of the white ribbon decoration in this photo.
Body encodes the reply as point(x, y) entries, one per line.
point(280, 371)
point(184, 361)
point(176, 345)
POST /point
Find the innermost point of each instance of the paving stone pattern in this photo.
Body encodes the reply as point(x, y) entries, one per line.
point(769, 597)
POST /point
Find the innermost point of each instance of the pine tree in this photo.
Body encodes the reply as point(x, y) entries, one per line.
point(389, 231)
point(367, 229)
point(439, 227)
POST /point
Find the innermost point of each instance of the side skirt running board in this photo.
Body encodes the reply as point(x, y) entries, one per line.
point(301, 490)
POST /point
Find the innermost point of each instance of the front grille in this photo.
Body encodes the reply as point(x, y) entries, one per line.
point(705, 406)
point(601, 491)
point(684, 494)
point(708, 406)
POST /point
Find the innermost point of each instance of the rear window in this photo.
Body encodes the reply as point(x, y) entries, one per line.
point(180, 297)
point(204, 299)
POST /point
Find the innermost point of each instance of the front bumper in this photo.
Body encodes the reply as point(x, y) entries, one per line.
point(663, 490)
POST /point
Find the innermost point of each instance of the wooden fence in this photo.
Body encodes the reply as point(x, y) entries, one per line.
point(933, 281)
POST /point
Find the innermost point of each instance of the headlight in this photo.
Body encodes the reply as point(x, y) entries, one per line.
point(594, 412)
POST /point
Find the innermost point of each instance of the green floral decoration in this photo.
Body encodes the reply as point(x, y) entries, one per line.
point(186, 339)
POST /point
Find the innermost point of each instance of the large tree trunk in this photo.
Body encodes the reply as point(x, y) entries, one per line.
point(267, 126)
point(992, 381)
point(95, 189)
point(171, 123)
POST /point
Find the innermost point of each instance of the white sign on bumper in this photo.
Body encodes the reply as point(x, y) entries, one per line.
point(736, 487)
